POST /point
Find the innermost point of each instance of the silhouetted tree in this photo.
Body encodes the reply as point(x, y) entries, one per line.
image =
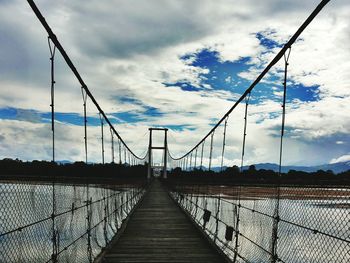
point(252, 168)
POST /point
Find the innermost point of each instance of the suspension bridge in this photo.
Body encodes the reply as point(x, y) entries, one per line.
point(168, 219)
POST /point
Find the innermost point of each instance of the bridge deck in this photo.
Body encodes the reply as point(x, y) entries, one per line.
point(159, 231)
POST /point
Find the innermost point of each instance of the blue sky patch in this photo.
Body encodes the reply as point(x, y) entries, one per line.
point(152, 112)
point(8, 113)
point(303, 93)
point(138, 115)
point(132, 116)
point(224, 75)
point(45, 117)
point(72, 118)
point(185, 86)
point(129, 100)
point(178, 127)
point(267, 42)
point(127, 116)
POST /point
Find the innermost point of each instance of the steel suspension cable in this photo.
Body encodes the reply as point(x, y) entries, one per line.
point(211, 149)
point(202, 154)
point(112, 144)
point(190, 161)
point(245, 129)
point(120, 151)
point(195, 159)
point(223, 144)
point(274, 238)
point(124, 154)
point(102, 140)
point(52, 49)
point(286, 59)
point(83, 93)
point(55, 240)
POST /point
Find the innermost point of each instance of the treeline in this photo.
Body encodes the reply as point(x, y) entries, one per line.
point(233, 175)
point(44, 170)
point(97, 173)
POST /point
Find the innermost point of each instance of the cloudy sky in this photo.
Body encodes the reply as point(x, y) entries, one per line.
point(181, 65)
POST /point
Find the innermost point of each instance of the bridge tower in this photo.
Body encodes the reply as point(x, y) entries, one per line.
point(164, 148)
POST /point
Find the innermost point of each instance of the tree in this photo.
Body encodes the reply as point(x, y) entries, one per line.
point(252, 168)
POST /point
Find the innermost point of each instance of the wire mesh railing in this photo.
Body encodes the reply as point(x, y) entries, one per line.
point(311, 224)
point(83, 222)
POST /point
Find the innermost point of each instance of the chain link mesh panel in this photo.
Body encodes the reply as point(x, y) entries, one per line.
point(273, 224)
point(61, 223)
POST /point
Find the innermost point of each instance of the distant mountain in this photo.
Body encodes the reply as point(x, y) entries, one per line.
point(335, 167)
point(63, 162)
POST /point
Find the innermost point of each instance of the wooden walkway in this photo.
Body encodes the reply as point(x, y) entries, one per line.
point(159, 231)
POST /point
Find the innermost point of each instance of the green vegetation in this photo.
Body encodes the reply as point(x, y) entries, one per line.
point(81, 172)
point(70, 172)
point(233, 175)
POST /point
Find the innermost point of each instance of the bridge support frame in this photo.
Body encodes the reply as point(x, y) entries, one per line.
point(164, 148)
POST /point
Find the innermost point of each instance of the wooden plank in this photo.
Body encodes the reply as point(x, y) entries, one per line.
point(159, 231)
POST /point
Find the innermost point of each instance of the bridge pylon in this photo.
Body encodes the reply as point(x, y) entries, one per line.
point(164, 148)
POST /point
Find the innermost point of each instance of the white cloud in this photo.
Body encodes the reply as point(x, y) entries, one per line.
point(127, 50)
point(344, 158)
